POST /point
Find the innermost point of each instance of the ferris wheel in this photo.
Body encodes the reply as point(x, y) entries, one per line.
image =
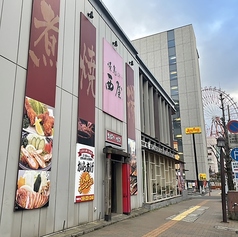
point(211, 97)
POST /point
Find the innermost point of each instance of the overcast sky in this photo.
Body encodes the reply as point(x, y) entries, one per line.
point(215, 24)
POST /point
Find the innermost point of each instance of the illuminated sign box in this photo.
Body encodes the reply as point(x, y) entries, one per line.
point(193, 130)
point(113, 138)
point(202, 176)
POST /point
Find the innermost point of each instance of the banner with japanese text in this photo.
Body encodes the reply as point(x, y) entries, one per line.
point(84, 178)
point(113, 85)
point(42, 63)
point(84, 186)
point(130, 101)
point(33, 181)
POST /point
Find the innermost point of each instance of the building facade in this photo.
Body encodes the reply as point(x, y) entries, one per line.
point(213, 155)
point(87, 127)
point(159, 157)
point(172, 57)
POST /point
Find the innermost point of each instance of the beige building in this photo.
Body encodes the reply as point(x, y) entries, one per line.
point(173, 59)
point(213, 155)
point(83, 136)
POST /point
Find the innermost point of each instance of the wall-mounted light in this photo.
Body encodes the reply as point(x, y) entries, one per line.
point(131, 63)
point(90, 15)
point(115, 43)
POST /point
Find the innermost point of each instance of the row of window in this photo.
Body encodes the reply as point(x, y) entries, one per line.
point(161, 179)
point(174, 91)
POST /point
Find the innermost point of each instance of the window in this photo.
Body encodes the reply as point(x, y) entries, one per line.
point(173, 83)
point(174, 91)
point(173, 76)
point(172, 51)
point(177, 131)
point(175, 97)
point(173, 68)
point(172, 59)
point(170, 35)
point(177, 124)
point(171, 43)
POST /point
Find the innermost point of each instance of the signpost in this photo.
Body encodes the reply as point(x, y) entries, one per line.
point(203, 176)
point(194, 130)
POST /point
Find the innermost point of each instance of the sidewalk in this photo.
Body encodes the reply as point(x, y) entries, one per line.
point(204, 221)
point(92, 226)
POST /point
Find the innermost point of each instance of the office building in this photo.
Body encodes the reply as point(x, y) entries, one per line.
point(173, 59)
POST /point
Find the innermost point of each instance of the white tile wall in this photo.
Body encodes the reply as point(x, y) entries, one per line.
point(25, 21)
point(69, 31)
point(179, 54)
point(10, 29)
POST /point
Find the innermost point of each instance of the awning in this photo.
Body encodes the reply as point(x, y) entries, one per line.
point(115, 151)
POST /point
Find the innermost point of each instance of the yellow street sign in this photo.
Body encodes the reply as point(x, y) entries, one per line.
point(202, 176)
point(192, 130)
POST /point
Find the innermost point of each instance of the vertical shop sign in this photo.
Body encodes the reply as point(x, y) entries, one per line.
point(84, 186)
point(113, 84)
point(41, 69)
point(130, 101)
point(33, 183)
point(84, 177)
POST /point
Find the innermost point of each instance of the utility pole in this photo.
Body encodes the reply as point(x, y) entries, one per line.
point(196, 163)
point(227, 149)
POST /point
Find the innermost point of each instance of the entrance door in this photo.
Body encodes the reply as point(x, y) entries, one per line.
point(113, 188)
point(116, 173)
point(116, 186)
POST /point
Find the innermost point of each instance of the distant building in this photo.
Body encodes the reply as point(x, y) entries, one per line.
point(212, 155)
point(172, 57)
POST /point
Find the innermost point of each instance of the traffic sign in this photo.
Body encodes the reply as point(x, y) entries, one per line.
point(234, 154)
point(232, 126)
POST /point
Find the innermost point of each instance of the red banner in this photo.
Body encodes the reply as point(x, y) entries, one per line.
point(84, 176)
point(130, 100)
point(33, 183)
point(42, 63)
point(86, 105)
point(86, 89)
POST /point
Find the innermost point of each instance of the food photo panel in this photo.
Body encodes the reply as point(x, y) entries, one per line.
point(33, 189)
point(35, 156)
point(37, 136)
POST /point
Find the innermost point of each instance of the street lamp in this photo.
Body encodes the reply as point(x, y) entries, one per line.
point(221, 144)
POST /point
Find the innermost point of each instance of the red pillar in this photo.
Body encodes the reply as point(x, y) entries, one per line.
point(126, 188)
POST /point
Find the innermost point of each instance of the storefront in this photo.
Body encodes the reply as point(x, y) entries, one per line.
point(117, 182)
point(73, 119)
point(159, 174)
